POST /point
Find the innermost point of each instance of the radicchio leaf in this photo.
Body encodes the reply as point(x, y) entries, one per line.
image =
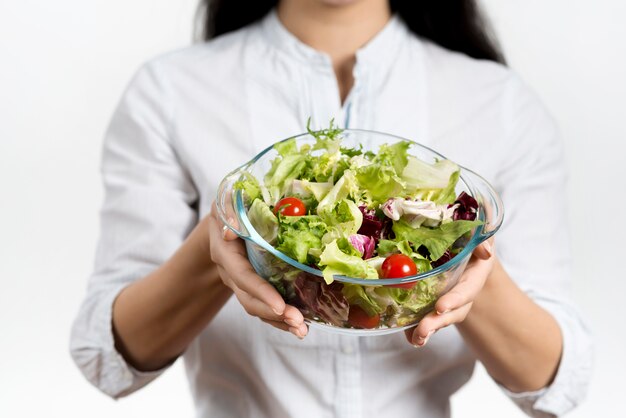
point(467, 209)
point(325, 301)
point(447, 256)
point(373, 226)
point(363, 244)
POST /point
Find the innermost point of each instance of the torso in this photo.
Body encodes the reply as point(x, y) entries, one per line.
point(235, 96)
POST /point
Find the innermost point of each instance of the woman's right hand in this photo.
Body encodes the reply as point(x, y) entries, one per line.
point(257, 296)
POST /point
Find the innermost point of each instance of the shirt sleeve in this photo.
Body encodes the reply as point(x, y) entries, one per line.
point(147, 212)
point(533, 244)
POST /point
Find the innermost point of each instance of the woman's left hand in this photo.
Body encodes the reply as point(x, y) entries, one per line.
point(453, 307)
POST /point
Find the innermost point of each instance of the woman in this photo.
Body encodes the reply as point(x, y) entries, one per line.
point(166, 272)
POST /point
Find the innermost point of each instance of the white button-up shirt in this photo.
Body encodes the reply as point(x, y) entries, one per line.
point(191, 116)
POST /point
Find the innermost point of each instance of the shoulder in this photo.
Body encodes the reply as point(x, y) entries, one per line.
point(476, 105)
point(446, 59)
point(458, 73)
point(206, 62)
point(456, 79)
point(461, 75)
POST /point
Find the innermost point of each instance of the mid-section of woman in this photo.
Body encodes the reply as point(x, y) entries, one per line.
point(169, 283)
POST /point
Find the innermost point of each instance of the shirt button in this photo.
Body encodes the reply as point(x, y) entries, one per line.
point(347, 349)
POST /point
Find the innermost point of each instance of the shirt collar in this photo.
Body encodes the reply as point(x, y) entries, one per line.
point(379, 50)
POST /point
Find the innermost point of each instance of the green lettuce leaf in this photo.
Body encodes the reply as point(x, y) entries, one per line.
point(345, 215)
point(436, 240)
point(447, 195)
point(420, 175)
point(263, 220)
point(388, 247)
point(379, 182)
point(250, 186)
point(346, 263)
point(299, 235)
point(319, 190)
point(328, 139)
point(366, 298)
point(283, 171)
point(423, 295)
point(287, 147)
point(395, 155)
point(346, 186)
point(284, 168)
point(327, 167)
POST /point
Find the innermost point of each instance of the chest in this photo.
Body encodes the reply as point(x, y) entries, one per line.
point(222, 123)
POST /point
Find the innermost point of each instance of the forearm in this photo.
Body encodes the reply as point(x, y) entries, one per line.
point(518, 342)
point(155, 318)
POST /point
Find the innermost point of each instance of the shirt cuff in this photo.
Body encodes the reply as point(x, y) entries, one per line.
point(117, 377)
point(570, 384)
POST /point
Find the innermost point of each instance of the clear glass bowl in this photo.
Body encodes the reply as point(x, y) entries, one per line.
point(332, 315)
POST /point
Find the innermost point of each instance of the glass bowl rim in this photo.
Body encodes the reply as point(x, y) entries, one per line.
point(478, 236)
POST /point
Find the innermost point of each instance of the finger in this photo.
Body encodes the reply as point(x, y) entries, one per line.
point(292, 316)
point(468, 287)
point(265, 294)
point(217, 241)
point(408, 333)
point(433, 322)
point(255, 307)
point(423, 329)
point(231, 257)
point(245, 278)
point(227, 233)
point(485, 250)
point(299, 332)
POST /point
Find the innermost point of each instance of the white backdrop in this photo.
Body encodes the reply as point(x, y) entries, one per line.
point(63, 66)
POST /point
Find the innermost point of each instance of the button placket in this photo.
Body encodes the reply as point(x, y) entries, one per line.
point(349, 394)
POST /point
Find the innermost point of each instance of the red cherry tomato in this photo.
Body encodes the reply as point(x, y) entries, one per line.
point(399, 265)
point(358, 318)
point(290, 206)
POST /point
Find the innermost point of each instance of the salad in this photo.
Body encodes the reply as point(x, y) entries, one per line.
point(361, 214)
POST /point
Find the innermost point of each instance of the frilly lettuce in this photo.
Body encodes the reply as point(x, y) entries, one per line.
point(395, 155)
point(298, 235)
point(345, 216)
point(250, 187)
point(378, 182)
point(344, 261)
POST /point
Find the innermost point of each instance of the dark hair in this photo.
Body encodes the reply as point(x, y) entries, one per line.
point(458, 25)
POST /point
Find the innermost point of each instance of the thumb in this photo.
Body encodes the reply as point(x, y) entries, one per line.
point(226, 228)
point(485, 250)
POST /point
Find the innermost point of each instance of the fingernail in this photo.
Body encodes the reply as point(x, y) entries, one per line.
point(487, 246)
point(277, 312)
point(444, 312)
point(421, 342)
